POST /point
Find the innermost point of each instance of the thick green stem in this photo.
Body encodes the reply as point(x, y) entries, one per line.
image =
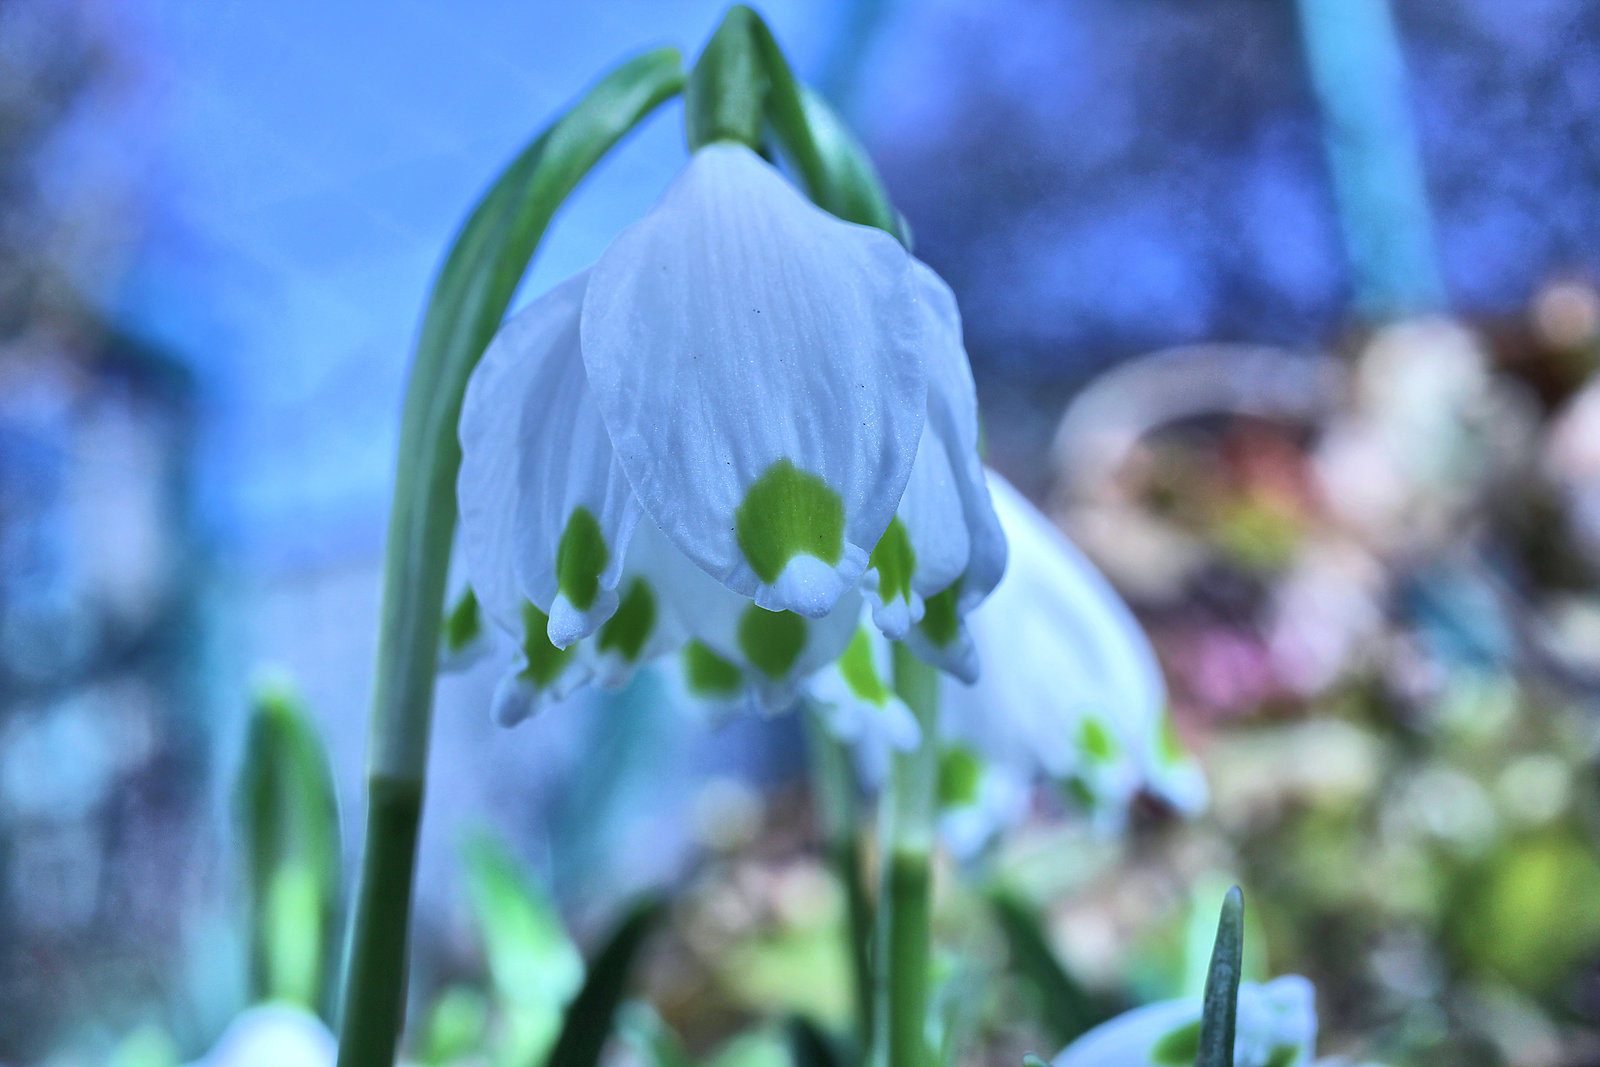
point(375, 982)
point(909, 820)
point(838, 807)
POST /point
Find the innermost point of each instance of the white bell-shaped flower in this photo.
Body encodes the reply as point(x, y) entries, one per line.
point(1073, 691)
point(1276, 1027)
point(744, 411)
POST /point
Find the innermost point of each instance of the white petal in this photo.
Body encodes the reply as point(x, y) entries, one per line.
point(546, 511)
point(270, 1035)
point(1277, 1024)
point(958, 545)
point(856, 699)
point(759, 366)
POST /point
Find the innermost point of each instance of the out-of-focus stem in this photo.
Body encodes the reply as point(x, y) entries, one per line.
point(1357, 70)
point(906, 839)
point(838, 808)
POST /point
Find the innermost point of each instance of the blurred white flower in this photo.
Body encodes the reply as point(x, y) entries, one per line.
point(272, 1035)
point(1277, 1027)
point(745, 417)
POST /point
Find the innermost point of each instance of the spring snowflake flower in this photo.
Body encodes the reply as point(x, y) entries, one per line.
point(1277, 1027)
point(1071, 693)
point(747, 419)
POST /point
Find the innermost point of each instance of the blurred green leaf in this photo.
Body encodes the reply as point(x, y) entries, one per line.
point(456, 1026)
point(534, 966)
point(1068, 1009)
point(1220, 1006)
point(288, 819)
point(588, 1020)
point(148, 1046)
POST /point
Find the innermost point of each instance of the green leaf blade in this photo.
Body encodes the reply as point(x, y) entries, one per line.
point(1220, 1005)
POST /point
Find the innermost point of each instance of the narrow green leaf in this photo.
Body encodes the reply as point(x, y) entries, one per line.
point(287, 813)
point(1220, 1009)
point(727, 88)
point(809, 1046)
point(1069, 1010)
point(833, 166)
point(589, 1017)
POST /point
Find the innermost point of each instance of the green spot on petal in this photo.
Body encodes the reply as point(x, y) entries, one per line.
point(894, 559)
point(771, 640)
point(788, 513)
point(1178, 1048)
point(464, 623)
point(959, 771)
point(545, 661)
point(626, 632)
point(580, 558)
point(708, 674)
point(1283, 1055)
point(1077, 789)
point(939, 622)
point(1096, 741)
point(860, 672)
point(1169, 745)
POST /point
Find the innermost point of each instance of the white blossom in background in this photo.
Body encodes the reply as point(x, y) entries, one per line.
point(747, 419)
point(272, 1035)
point(1277, 1027)
point(1070, 693)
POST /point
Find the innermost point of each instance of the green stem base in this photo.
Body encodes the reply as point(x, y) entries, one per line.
point(375, 971)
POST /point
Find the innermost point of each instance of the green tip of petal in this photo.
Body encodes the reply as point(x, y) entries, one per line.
point(1177, 1048)
point(1096, 741)
point(859, 671)
point(626, 631)
point(895, 560)
point(580, 557)
point(464, 624)
point(1030, 1060)
point(545, 661)
point(771, 640)
point(959, 771)
point(787, 513)
point(940, 624)
point(708, 674)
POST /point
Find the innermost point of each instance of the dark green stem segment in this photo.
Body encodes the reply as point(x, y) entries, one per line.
point(376, 981)
point(838, 807)
point(1220, 1006)
point(909, 818)
point(906, 912)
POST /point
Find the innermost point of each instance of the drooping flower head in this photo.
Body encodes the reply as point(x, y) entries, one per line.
point(745, 418)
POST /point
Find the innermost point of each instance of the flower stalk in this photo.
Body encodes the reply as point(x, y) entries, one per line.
point(909, 817)
point(838, 805)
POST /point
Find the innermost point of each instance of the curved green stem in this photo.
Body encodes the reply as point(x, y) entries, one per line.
point(909, 822)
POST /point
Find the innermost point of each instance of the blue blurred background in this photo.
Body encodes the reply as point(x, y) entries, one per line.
point(219, 222)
